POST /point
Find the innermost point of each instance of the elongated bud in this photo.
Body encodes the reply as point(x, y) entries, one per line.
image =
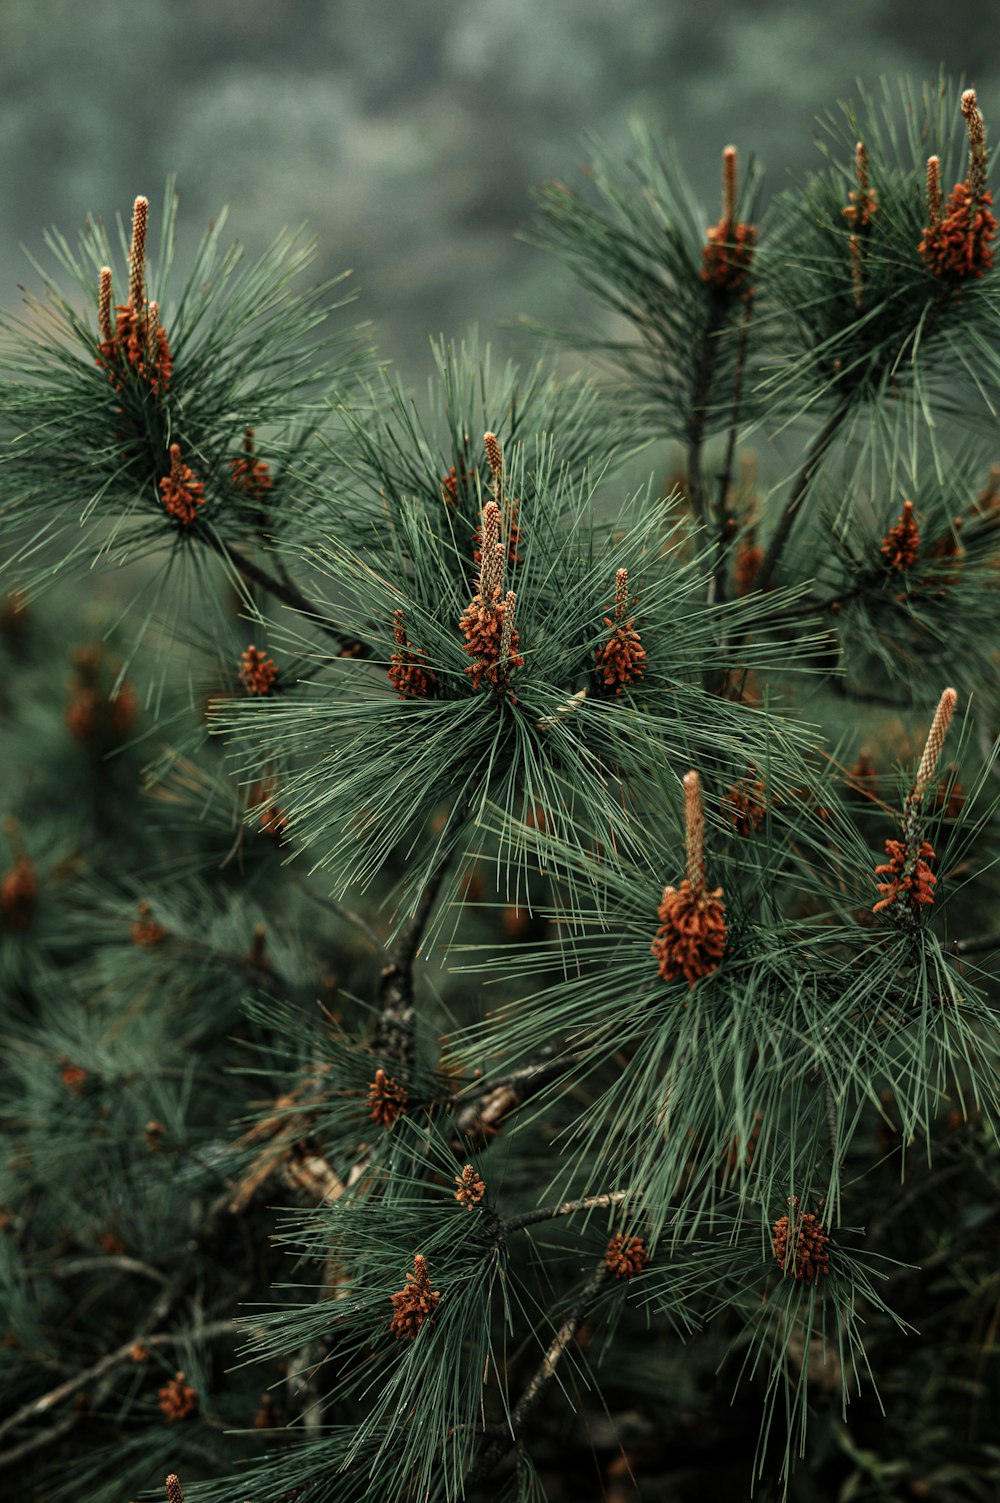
point(976, 128)
point(398, 629)
point(137, 255)
point(857, 272)
point(935, 742)
point(104, 306)
point(933, 194)
point(694, 831)
point(493, 556)
point(861, 168)
point(729, 184)
point(152, 327)
point(493, 455)
point(621, 594)
point(507, 629)
point(174, 1491)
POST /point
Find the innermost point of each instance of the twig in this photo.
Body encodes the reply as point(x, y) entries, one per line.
point(977, 944)
point(393, 1032)
point(101, 1369)
point(494, 1452)
point(567, 1208)
point(725, 475)
point(108, 1261)
point(287, 592)
point(699, 396)
point(814, 606)
point(814, 456)
point(480, 1120)
point(347, 914)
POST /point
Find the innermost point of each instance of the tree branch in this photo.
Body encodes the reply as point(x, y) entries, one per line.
point(814, 456)
point(481, 1120)
point(496, 1450)
point(699, 396)
point(393, 1032)
point(285, 590)
point(103, 1368)
point(567, 1208)
point(726, 473)
point(347, 914)
point(977, 944)
point(106, 1261)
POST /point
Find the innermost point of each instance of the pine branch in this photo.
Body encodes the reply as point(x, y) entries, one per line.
point(496, 1450)
point(977, 944)
point(567, 1208)
point(393, 1032)
point(104, 1368)
point(699, 405)
point(814, 457)
point(285, 590)
point(725, 476)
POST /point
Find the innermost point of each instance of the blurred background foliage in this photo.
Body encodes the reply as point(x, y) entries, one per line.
point(410, 136)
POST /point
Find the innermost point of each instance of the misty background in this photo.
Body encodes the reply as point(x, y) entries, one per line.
point(409, 135)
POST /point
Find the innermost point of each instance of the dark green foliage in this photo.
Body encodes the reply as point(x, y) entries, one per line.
point(416, 1083)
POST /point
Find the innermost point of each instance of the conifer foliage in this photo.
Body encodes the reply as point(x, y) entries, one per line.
point(501, 968)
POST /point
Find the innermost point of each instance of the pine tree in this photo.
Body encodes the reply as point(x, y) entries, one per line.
point(500, 968)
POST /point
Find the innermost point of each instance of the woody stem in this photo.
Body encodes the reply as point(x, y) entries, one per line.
point(714, 678)
point(284, 590)
point(492, 1454)
point(567, 1208)
point(814, 456)
point(699, 399)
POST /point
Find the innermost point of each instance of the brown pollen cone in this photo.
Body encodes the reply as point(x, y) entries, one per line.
point(482, 626)
point(415, 1303)
point(911, 878)
point(257, 672)
point(800, 1245)
point(250, 474)
point(72, 1076)
point(745, 805)
point(749, 557)
point(728, 253)
point(907, 871)
point(406, 673)
point(957, 244)
point(137, 343)
point(622, 659)
point(901, 544)
point(145, 931)
point(691, 939)
point(863, 201)
point(178, 1399)
point(182, 492)
point(173, 1489)
point(19, 884)
point(387, 1099)
point(626, 1256)
point(92, 717)
point(471, 1188)
point(272, 819)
